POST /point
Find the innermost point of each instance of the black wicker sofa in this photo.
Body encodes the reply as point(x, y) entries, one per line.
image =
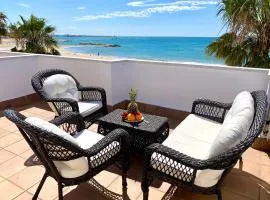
point(204, 148)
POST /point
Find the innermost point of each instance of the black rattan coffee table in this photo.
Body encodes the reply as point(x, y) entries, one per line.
point(154, 129)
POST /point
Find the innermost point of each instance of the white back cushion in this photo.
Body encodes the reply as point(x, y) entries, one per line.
point(44, 125)
point(236, 124)
point(61, 86)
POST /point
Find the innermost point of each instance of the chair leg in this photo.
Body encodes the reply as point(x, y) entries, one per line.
point(60, 191)
point(124, 180)
point(40, 186)
point(219, 194)
point(145, 187)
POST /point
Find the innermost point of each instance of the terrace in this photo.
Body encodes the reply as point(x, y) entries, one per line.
point(166, 89)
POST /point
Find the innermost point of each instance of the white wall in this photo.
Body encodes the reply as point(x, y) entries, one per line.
point(172, 85)
point(15, 76)
point(178, 85)
point(8, 53)
point(88, 72)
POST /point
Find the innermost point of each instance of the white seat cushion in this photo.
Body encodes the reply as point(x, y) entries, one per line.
point(87, 108)
point(236, 124)
point(193, 137)
point(87, 139)
point(194, 131)
point(61, 86)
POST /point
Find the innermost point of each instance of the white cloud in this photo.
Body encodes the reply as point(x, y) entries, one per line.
point(24, 5)
point(191, 2)
point(142, 13)
point(81, 8)
point(138, 3)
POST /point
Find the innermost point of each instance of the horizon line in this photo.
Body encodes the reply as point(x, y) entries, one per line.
point(89, 35)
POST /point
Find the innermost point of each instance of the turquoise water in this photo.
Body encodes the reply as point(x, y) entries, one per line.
point(188, 49)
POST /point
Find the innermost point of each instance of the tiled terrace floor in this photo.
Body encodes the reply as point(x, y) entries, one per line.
point(20, 175)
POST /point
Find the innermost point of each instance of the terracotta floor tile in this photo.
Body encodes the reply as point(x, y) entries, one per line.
point(252, 155)
point(5, 122)
point(265, 159)
point(153, 194)
point(164, 187)
point(9, 191)
point(12, 166)
point(27, 154)
point(17, 133)
point(9, 139)
point(3, 132)
point(93, 127)
point(49, 190)
point(242, 184)
point(5, 155)
point(183, 194)
point(25, 113)
point(69, 189)
point(265, 173)
point(24, 196)
point(86, 191)
point(252, 168)
point(264, 193)
point(133, 191)
point(18, 147)
point(228, 195)
point(10, 128)
point(35, 110)
point(105, 178)
point(28, 177)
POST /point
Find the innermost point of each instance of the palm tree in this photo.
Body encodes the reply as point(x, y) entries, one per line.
point(247, 42)
point(33, 35)
point(3, 25)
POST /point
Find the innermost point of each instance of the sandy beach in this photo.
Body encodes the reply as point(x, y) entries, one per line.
point(8, 43)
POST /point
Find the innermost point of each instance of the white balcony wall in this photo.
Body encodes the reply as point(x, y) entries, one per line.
point(8, 53)
point(171, 85)
point(176, 86)
point(88, 72)
point(15, 76)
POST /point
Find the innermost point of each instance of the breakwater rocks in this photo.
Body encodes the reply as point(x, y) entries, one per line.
point(99, 44)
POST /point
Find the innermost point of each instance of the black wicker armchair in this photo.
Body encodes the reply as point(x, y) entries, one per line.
point(170, 165)
point(67, 162)
point(64, 94)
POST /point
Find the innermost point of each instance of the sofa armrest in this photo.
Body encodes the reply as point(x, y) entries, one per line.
point(210, 109)
point(185, 160)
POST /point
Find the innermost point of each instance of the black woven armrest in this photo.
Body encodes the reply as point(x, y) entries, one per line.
point(71, 122)
point(117, 135)
point(93, 94)
point(64, 105)
point(210, 109)
point(185, 160)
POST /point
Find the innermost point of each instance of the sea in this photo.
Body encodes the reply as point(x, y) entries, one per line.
point(183, 49)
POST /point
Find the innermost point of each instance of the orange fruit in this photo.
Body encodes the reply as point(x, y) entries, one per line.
point(139, 116)
point(131, 117)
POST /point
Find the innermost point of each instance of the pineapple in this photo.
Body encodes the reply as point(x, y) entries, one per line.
point(132, 106)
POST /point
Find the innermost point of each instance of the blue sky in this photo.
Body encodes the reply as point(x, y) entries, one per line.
point(122, 17)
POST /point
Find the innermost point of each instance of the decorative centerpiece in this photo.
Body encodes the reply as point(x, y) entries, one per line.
point(133, 114)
